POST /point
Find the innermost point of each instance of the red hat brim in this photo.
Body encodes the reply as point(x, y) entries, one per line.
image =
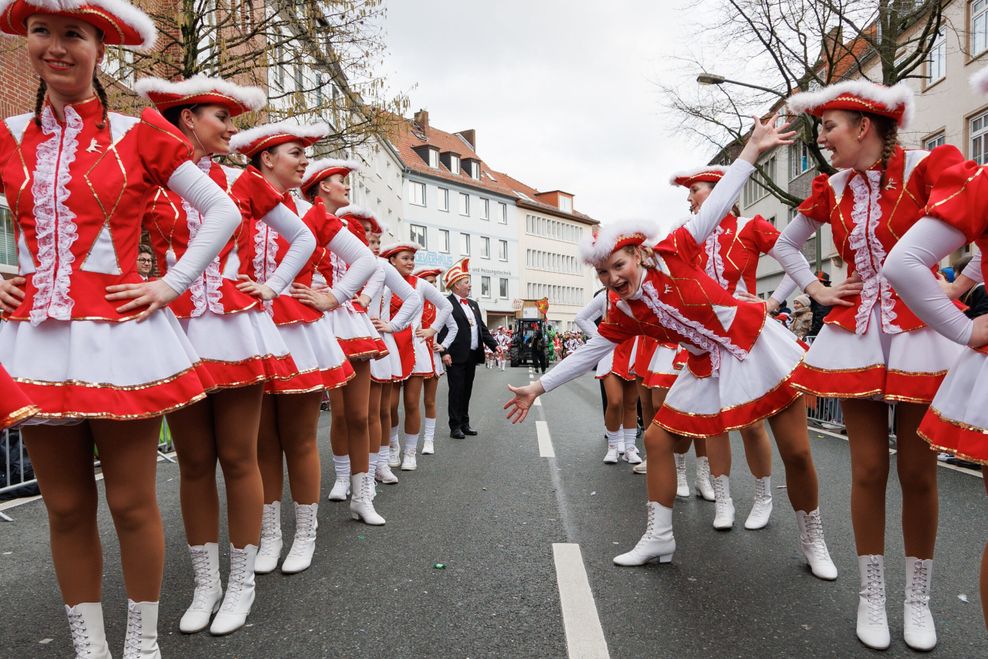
point(121, 24)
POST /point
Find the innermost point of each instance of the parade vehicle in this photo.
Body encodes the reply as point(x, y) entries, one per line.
point(529, 319)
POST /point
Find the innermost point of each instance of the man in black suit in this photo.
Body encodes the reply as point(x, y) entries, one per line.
point(462, 355)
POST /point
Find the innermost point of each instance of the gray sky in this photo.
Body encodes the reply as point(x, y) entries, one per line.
point(561, 92)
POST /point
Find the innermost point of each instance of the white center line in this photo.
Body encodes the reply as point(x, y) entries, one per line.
point(545, 440)
point(584, 635)
point(538, 402)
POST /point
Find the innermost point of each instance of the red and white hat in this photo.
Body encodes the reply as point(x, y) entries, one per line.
point(979, 81)
point(391, 249)
point(253, 141)
point(458, 271)
point(121, 23)
point(707, 174)
point(325, 167)
point(363, 215)
point(895, 102)
point(427, 271)
point(201, 90)
point(614, 236)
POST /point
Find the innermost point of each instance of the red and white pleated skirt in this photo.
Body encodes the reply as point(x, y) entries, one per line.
point(15, 407)
point(620, 361)
point(957, 420)
point(355, 332)
point(319, 359)
point(655, 363)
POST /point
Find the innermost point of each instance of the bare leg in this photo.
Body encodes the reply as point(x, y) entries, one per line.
point(195, 446)
point(661, 476)
point(614, 412)
point(699, 447)
point(629, 404)
point(413, 395)
point(793, 440)
point(237, 416)
point(269, 450)
point(374, 416)
point(868, 436)
point(338, 438)
point(757, 449)
point(298, 417)
point(387, 391)
point(395, 400)
point(429, 388)
point(916, 465)
point(719, 454)
point(355, 399)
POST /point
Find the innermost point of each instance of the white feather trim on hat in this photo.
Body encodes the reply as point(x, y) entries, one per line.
point(690, 173)
point(891, 97)
point(253, 98)
point(979, 81)
point(402, 246)
point(594, 250)
point(323, 164)
point(252, 135)
point(133, 16)
point(359, 211)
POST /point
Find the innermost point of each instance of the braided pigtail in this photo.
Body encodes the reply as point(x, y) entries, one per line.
point(101, 93)
point(890, 141)
point(39, 102)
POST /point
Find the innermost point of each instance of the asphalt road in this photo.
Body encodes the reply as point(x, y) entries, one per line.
point(514, 530)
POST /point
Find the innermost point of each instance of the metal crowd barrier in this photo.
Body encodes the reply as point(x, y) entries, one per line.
point(16, 472)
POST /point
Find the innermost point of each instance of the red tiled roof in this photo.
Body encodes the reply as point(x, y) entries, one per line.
point(534, 204)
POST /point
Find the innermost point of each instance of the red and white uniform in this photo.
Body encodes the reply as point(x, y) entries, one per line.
point(15, 407)
point(876, 348)
point(730, 255)
point(78, 194)
point(621, 361)
point(319, 360)
point(390, 367)
point(425, 354)
point(957, 420)
point(655, 363)
point(236, 341)
point(739, 367)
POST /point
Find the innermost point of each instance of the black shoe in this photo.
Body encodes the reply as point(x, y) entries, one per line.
point(467, 430)
point(457, 434)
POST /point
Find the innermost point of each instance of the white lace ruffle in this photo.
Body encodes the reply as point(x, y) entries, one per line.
point(54, 221)
point(715, 264)
point(265, 256)
point(339, 268)
point(869, 253)
point(699, 335)
point(206, 289)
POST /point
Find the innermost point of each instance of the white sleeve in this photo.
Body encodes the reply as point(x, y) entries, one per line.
point(586, 316)
point(443, 307)
point(411, 301)
point(788, 250)
point(973, 269)
point(577, 362)
point(908, 268)
point(220, 219)
point(784, 290)
point(290, 227)
point(451, 330)
point(720, 201)
point(361, 263)
point(374, 285)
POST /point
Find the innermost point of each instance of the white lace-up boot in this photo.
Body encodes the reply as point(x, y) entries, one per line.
point(703, 486)
point(918, 628)
point(615, 445)
point(341, 488)
point(362, 500)
point(658, 541)
point(682, 486)
point(873, 624)
point(724, 512)
point(814, 546)
point(141, 641)
point(299, 557)
point(239, 592)
point(209, 591)
point(761, 509)
point(86, 626)
point(270, 551)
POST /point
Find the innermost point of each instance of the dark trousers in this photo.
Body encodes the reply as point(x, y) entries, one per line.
point(540, 361)
point(459, 378)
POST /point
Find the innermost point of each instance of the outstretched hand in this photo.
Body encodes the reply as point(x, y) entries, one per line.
point(765, 136)
point(522, 402)
point(150, 294)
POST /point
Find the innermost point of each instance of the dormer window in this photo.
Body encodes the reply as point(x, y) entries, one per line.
point(454, 164)
point(565, 204)
point(434, 158)
point(475, 170)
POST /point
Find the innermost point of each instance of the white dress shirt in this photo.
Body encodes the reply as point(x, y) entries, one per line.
point(472, 319)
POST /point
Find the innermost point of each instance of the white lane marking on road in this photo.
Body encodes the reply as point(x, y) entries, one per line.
point(538, 402)
point(584, 635)
point(545, 440)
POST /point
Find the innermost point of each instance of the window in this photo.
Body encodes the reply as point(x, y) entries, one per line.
point(799, 159)
point(485, 209)
point(444, 241)
point(8, 245)
point(933, 142)
point(936, 61)
point(433, 159)
point(454, 164)
point(417, 234)
point(979, 138)
point(416, 191)
point(753, 189)
point(485, 286)
point(485, 247)
point(464, 203)
point(502, 250)
point(979, 26)
point(475, 170)
point(503, 213)
point(465, 244)
point(503, 287)
point(565, 204)
point(443, 199)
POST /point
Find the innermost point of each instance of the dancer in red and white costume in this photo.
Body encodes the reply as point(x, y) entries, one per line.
point(730, 257)
point(15, 408)
point(430, 384)
point(615, 370)
point(290, 407)
point(235, 339)
point(739, 365)
point(402, 257)
point(873, 350)
point(100, 379)
point(957, 420)
point(655, 371)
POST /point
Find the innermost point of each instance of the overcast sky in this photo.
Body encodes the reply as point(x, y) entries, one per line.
point(561, 92)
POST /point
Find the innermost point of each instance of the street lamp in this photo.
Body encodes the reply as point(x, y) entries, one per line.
point(714, 79)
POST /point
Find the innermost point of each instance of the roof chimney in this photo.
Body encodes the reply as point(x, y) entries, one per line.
point(470, 135)
point(422, 120)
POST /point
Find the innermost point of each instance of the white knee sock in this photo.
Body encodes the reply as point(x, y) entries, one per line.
point(629, 437)
point(430, 429)
point(394, 435)
point(384, 455)
point(373, 458)
point(342, 465)
point(615, 438)
point(411, 443)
